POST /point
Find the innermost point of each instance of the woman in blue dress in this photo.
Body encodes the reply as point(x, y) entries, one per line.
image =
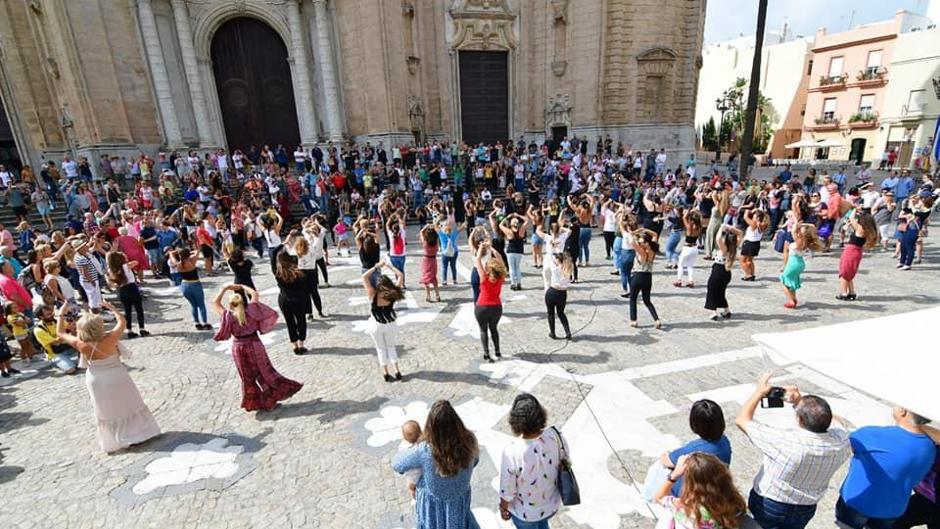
point(446, 458)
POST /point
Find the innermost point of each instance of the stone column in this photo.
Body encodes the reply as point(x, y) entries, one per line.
point(305, 107)
point(193, 79)
point(161, 80)
point(334, 120)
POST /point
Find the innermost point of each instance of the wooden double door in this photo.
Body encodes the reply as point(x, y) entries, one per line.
point(253, 79)
point(484, 96)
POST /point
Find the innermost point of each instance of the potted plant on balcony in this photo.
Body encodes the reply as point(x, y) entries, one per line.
point(863, 117)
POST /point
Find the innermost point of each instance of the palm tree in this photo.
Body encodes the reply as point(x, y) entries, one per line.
point(747, 142)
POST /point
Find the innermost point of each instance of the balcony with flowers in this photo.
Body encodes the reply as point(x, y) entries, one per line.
point(828, 83)
point(871, 76)
point(863, 119)
point(827, 121)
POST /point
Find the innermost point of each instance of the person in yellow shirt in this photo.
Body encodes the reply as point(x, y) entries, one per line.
point(57, 351)
point(19, 324)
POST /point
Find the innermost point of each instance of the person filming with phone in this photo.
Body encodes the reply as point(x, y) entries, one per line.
point(797, 463)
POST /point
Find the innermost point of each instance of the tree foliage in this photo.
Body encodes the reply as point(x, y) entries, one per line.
point(736, 95)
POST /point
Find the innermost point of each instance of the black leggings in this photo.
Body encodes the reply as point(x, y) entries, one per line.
point(919, 511)
point(321, 264)
point(272, 255)
point(574, 264)
point(314, 289)
point(488, 319)
point(295, 318)
point(555, 301)
point(641, 283)
point(609, 242)
point(130, 298)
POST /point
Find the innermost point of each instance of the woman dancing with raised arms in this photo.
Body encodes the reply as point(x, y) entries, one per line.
point(262, 386)
point(725, 249)
point(489, 305)
point(757, 223)
point(692, 220)
point(556, 273)
point(805, 241)
point(863, 236)
point(383, 293)
point(641, 282)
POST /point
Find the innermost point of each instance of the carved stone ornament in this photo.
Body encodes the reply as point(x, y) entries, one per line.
point(558, 111)
point(656, 61)
point(413, 63)
point(52, 67)
point(559, 67)
point(936, 86)
point(415, 113)
point(560, 11)
point(482, 25)
point(407, 9)
point(35, 7)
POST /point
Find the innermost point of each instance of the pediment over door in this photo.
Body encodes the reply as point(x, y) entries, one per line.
point(482, 25)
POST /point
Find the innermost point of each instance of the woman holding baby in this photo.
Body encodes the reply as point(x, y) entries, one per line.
point(446, 458)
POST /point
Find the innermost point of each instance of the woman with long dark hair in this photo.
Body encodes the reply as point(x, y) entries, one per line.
point(556, 273)
point(757, 223)
point(243, 321)
point(641, 281)
point(513, 228)
point(692, 220)
point(300, 247)
point(863, 236)
point(723, 260)
point(383, 292)
point(121, 276)
point(430, 242)
point(446, 458)
point(293, 299)
point(191, 286)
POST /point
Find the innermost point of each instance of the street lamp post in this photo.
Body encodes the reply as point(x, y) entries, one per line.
point(722, 104)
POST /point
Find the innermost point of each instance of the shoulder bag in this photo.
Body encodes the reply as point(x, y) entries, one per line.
point(567, 483)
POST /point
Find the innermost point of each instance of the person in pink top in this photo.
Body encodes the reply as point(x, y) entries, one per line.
point(6, 239)
point(13, 291)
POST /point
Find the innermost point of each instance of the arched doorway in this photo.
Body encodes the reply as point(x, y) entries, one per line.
point(253, 79)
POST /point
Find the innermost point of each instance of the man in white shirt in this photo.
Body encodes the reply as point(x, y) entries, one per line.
point(798, 463)
point(70, 167)
point(661, 161)
point(5, 176)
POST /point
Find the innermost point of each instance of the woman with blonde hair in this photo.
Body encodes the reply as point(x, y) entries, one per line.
point(123, 418)
point(488, 308)
point(446, 457)
point(307, 263)
point(708, 500)
point(805, 241)
point(242, 322)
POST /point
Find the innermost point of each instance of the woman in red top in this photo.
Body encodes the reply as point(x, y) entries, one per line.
point(205, 243)
point(489, 306)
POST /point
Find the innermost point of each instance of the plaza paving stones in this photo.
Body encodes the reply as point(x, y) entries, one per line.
point(323, 458)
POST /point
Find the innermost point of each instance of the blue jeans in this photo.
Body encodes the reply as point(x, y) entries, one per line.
point(475, 283)
point(192, 291)
point(856, 520)
point(618, 251)
point(626, 268)
point(908, 247)
point(522, 524)
point(672, 243)
point(770, 514)
point(449, 263)
point(398, 261)
point(515, 268)
point(584, 242)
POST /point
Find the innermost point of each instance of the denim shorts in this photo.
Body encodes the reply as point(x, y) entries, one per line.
point(64, 362)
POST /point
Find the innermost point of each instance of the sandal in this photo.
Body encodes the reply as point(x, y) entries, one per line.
point(789, 305)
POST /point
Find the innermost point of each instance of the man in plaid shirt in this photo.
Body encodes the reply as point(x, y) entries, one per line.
point(797, 463)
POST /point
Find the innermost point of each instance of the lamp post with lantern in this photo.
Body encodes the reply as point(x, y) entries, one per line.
point(722, 104)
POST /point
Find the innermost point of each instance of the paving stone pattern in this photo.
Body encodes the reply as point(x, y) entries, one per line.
point(310, 462)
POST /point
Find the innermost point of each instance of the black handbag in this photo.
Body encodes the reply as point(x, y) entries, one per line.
point(567, 483)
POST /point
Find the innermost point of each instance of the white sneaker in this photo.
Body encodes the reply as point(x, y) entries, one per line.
point(905, 268)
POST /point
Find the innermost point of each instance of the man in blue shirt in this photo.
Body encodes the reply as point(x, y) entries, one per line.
point(839, 179)
point(887, 462)
point(890, 182)
point(708, 422)
point(905, 186)
point(785, 175)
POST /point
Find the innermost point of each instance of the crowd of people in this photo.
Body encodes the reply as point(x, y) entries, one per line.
point(185, 216)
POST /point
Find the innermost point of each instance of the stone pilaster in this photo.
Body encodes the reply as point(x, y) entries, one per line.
point(193, 79)
point(161, 80)
point(325, 58)
point(306, 113)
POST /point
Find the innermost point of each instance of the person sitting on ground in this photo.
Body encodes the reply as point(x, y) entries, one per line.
point(708, 499)
point(708, 422)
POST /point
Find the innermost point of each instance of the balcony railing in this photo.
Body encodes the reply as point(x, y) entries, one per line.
point(911, 110)
point(872, 73)
point(825, 121)
point(831, 80)
point(865, 116)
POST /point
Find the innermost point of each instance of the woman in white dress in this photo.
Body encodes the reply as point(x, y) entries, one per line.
point(122, 416)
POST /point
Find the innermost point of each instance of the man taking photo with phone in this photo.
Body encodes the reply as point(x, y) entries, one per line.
point(797, 463)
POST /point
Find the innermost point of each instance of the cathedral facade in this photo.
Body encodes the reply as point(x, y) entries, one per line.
point(121, 76)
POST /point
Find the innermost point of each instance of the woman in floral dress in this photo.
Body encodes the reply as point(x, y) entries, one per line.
point(262, 386)
point(708, 499)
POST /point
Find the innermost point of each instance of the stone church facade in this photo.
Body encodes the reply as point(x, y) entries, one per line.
point(119, 76)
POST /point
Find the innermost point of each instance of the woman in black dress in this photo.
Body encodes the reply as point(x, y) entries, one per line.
point(294, 299)
point(726, 249)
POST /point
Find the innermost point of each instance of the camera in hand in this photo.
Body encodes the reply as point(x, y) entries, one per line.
point(774, 398)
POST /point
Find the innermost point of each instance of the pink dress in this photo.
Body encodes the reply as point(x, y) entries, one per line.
point(133, 250)
point(262, 385)
point(429, 264)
